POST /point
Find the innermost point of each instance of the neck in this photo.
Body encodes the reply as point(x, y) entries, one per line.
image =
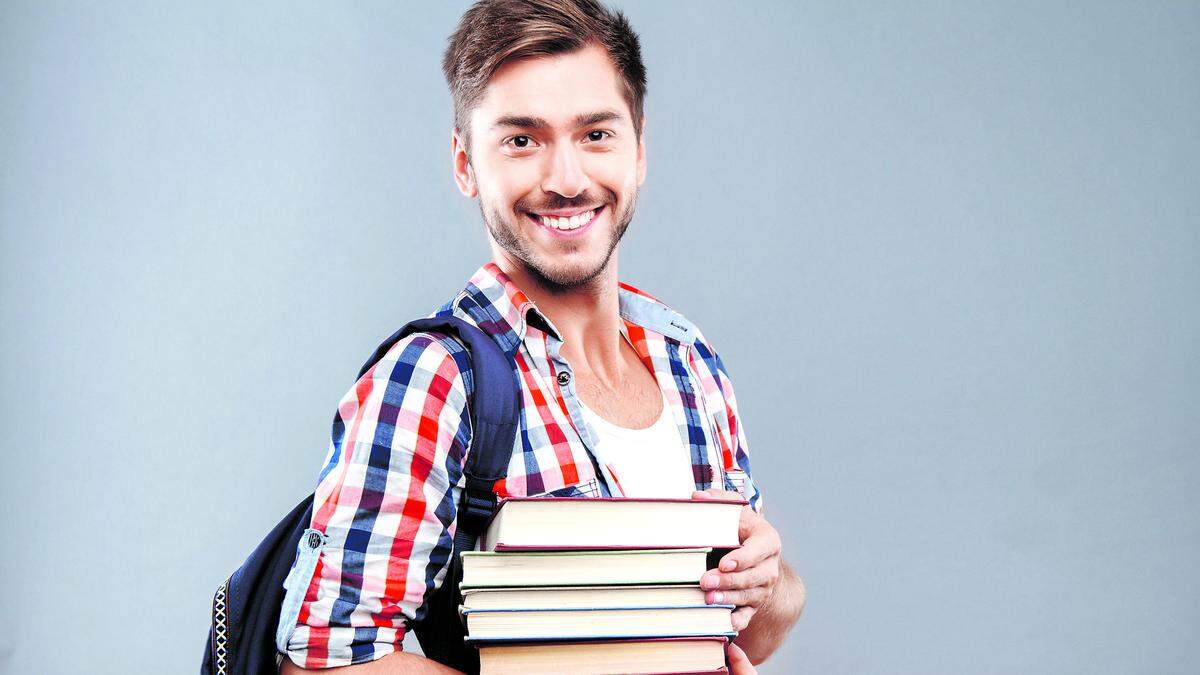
point(587, 316)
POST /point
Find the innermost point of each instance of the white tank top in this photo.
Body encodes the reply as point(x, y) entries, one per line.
point(650, 462)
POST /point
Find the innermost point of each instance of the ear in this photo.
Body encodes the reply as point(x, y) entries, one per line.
point(464, 174)
point(641, 155)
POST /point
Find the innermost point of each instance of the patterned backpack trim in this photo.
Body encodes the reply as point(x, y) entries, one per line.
point(220, 624)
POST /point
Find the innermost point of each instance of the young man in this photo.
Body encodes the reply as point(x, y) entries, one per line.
point(622, 396)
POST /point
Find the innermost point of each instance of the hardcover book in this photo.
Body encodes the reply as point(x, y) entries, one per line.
point(666, 655)
point(626, 622)
point(549, 523)
point(583, 568)
point(581, 597)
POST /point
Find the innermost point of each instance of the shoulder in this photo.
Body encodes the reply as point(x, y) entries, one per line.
point(430, 362)
point(650, 312)
point(423, 352)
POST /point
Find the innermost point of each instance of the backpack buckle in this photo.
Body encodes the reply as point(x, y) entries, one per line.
point(477, 506)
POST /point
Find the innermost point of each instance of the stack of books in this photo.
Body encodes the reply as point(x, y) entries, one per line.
point(599, 586)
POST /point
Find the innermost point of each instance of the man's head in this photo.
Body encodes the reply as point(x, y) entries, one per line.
point(548, 98)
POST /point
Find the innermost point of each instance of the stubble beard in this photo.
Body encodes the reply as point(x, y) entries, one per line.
point(555, 280)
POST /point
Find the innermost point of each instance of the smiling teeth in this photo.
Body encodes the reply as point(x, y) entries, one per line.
point(572, 223)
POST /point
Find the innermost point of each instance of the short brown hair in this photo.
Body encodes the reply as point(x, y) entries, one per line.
point(494, 32)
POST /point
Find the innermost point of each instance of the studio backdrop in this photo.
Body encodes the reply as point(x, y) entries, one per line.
point(950, 254)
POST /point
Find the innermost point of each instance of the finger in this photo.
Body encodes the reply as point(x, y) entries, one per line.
point(715, 493)
point(748, 521)
point(750, 597)
point(754, 550)
point(761, 575)
point(741, 617)
point(739, 663)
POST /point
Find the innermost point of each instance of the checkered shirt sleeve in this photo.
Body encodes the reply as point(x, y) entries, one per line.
point(737, 434)
point(718, 391)
point(386, 500)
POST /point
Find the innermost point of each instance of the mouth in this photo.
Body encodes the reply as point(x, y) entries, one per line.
point(566, 223)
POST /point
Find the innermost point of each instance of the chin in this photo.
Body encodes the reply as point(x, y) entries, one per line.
point(566, 277)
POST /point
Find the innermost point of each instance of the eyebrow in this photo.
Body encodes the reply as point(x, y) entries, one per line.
point(539, 124)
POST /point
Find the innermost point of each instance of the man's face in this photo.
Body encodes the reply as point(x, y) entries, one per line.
point(555, 163)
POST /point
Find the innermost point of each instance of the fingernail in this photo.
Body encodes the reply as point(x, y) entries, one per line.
point(709, 581)
point(718, 598)
point(728, 565)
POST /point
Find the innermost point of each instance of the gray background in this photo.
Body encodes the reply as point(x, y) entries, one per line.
point(949, 252)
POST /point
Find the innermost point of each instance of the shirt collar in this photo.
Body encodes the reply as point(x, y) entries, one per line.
point(503, 311)
point(644, 310)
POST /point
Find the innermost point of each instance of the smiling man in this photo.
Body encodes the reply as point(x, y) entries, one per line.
point(622, 395)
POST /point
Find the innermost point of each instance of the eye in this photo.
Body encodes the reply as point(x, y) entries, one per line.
point(597, 136)
point(520, 142)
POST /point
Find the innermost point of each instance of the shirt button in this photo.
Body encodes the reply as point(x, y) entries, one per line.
point(564, 378)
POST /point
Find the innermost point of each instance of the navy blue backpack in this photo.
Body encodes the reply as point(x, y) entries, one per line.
point(246, 607)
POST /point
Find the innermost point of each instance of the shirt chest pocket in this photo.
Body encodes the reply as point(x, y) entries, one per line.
point(588, 488)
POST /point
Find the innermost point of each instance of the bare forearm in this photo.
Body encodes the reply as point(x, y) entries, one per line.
point(398, 663)
point(772, 621)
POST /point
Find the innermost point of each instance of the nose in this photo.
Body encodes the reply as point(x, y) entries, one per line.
point(566, 175)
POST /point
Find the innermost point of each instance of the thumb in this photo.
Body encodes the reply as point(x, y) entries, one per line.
point(739, 663)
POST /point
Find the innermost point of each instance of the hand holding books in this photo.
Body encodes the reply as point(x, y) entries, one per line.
point(747, 575)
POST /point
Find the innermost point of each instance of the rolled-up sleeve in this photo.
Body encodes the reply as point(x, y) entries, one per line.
point(386, 501)
point(737, 435)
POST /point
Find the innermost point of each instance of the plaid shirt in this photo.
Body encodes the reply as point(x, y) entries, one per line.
point(387, 494)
